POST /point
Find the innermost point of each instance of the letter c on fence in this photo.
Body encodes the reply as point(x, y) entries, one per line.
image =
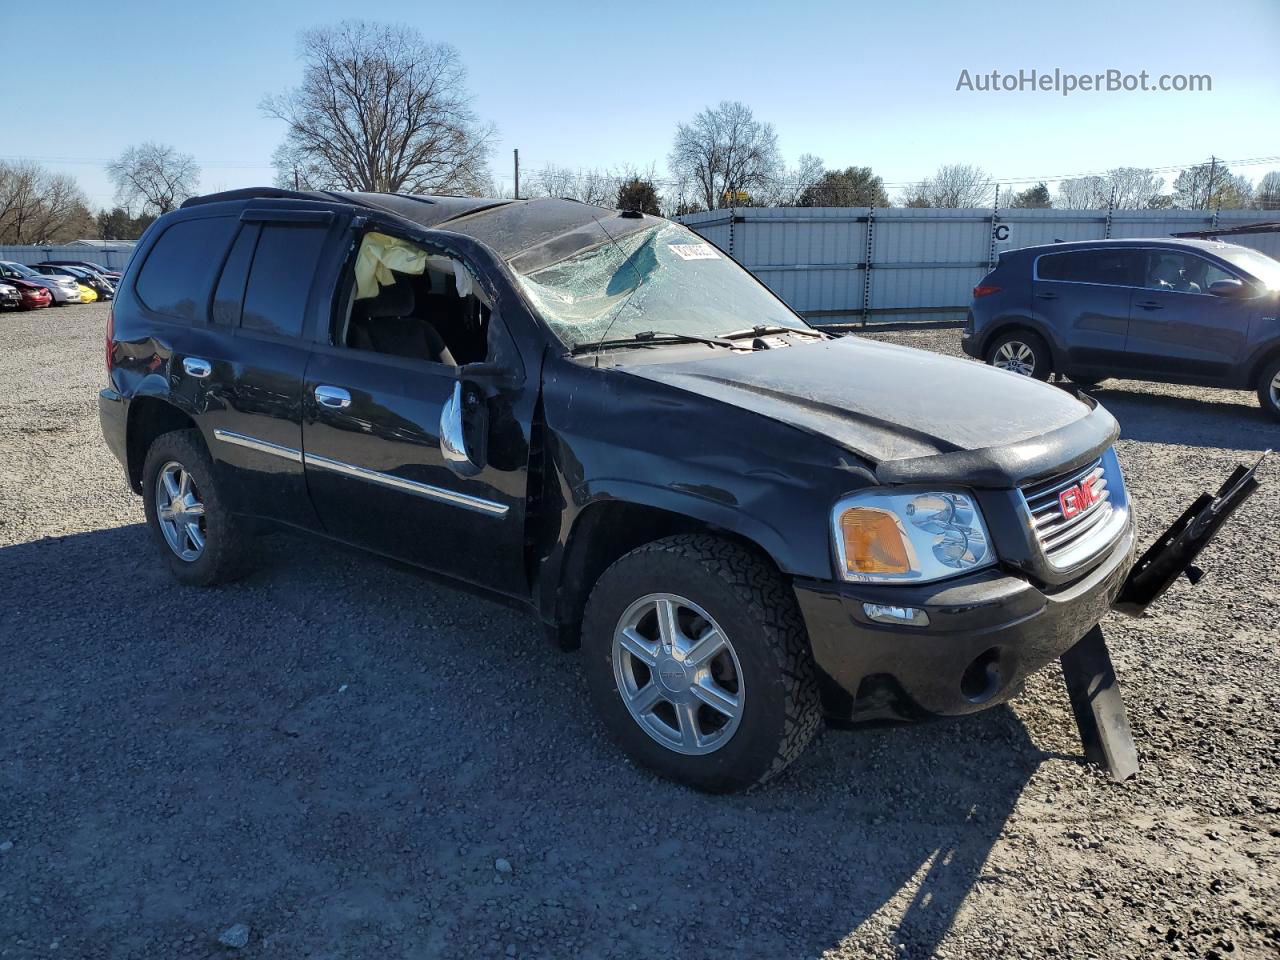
point(1002, 232)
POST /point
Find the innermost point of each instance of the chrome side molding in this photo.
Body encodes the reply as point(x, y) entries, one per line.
point(262, 446)
point(439, 494)
point(408, 486)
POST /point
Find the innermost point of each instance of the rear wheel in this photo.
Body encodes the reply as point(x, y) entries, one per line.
point(199, 540)
point(1269, 389)
point(1022, 352)
point(698, 662)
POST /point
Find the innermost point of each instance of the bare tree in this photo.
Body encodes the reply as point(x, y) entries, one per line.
point(1209, 186)
point(954, 185)
point(381, 109)
point(297, 170)
point(724, 151)
point(1135, 187)
point(1083, 193)
point(37, 206)
point(593, 186)
point(154, 176)
point(792, 183)
point(1267, 194)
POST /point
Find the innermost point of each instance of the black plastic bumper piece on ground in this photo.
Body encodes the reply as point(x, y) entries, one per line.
point(1098, 706)
point(1176, 549)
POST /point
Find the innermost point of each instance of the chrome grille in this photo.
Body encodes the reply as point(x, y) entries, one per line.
point(1068, 541)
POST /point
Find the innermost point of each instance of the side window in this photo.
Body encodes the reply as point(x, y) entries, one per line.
point(178, 272)
point(284, 264)
point(229, 296)
point(1172, 270)
point(409, 301)
point(1108, 267)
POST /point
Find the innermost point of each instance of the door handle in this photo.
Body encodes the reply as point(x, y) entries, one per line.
point(1149, 305)
point(333, 397)
point(196, 367)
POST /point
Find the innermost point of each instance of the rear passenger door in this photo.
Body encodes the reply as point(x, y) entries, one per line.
point(256, 354)
point(1084, 295)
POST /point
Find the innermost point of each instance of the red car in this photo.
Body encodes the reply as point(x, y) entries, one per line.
point(33, 296)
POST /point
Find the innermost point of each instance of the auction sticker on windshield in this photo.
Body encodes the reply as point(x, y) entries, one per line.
point(694, 251)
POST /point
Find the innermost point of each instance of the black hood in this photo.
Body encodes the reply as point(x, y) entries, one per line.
point(897, 405)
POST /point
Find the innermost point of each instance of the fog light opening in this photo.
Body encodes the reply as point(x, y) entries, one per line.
point(981, 679)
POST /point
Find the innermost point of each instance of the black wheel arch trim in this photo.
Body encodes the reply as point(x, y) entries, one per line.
point(1012, 324)
point(568, 572)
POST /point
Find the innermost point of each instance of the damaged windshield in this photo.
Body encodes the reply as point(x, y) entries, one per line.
point(662, 278)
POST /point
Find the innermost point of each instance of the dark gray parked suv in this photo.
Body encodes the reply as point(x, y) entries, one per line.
point(1176, 311)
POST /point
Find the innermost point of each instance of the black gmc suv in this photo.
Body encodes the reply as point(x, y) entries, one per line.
point(747, 524)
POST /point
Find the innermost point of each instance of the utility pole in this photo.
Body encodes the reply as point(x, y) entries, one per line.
point(517, 156)
point(1213, 168)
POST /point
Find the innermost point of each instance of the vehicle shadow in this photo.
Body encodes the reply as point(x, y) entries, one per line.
point(338, 753)
point(1159, 417)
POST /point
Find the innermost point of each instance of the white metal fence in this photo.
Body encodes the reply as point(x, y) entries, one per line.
point(113, 258)
point(851, 265)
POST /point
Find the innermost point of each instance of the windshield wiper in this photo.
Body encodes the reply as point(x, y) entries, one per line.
point(762, 329)
point(645, 337)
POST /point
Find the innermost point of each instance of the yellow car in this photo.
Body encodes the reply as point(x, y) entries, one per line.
point(87, 294)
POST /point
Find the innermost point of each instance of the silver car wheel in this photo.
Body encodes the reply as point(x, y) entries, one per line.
point(179, 511)
point(1275, 391)
point(1016, 356)
point(678, 674)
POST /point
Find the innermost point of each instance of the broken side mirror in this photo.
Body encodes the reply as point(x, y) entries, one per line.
point(464, 429)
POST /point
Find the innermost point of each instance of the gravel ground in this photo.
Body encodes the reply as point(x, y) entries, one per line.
point(352, 762)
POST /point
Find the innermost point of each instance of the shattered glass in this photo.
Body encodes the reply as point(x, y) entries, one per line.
point(665, 278)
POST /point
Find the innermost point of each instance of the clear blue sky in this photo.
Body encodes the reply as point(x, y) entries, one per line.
point(600, 84)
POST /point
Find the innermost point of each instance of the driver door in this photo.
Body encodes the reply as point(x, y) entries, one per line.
point(376, 470)
point(1177, 328)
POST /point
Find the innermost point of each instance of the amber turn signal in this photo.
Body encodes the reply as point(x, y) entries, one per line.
point(873, 542)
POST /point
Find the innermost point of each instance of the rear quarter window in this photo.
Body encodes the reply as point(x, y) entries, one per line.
point(177, 276)
point(1107, 267)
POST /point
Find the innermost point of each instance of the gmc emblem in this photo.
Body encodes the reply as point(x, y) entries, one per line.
point(1076, 500)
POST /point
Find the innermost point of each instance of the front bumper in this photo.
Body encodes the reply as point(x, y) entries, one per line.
point(987, 633)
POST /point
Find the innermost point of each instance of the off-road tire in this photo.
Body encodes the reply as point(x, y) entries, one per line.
point(224, 556)
point(756, 609)
point(1043, 365)
point(1266, 399)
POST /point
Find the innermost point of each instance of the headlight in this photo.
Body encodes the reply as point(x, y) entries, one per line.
point(886, 537)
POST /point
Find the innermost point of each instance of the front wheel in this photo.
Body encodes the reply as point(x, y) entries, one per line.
point(698, 662)
point(1022, 352)
point(1269, 389)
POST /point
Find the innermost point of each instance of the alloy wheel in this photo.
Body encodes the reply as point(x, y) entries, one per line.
point(678, 674)
point(1016, 356)
point(1275, 391)
point(179, 511)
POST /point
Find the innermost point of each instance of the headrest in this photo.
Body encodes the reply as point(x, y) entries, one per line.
point(396, 300)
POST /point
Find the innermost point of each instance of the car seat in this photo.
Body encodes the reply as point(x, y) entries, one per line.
point(386, 324)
